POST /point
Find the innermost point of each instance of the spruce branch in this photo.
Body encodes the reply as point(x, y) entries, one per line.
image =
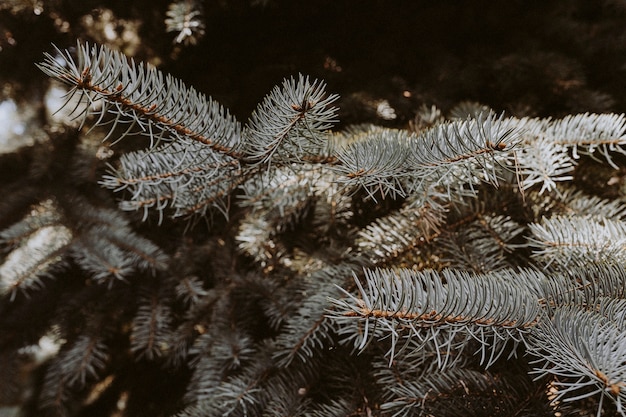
point(551, 148)
point(599, 280)
point(238, 395)
point(590, 134)
point(97, 239)
point(104, 261)
point(159, 105)
point(483, 245)
point(419, 302)
point(376, 162)
point(151, 328)
point(449, 155)
point(581, 285)
point(569, 240)
point(81, 360)
point(282, 193)
point(309, 329)
point(306, 332)
point(188, 178)
point(38, 243)
point(613, 309)
point(190, 290)
point(585, 354)
point(576, 203)
point(391, 236)
point(284, 199)
point(108, 248)
point(435, 394)
point(186, 333)
point(416, 361)
point(479, 145)
point(78, 362)
point(333, 211)
point(338, 407)
point(290, 123)
point(545, 163)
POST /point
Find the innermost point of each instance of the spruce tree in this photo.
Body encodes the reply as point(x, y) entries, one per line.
point(183, 263)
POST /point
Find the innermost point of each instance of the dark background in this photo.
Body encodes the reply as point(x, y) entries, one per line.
point(527, 58)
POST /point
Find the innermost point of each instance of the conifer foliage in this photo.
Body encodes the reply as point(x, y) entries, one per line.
point(459, 269)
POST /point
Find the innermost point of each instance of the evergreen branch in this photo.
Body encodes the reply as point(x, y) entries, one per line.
point(212, 194)
point(279, 201)
point(238, 396)
point(291, 390)
point(400, 232)
point(83, 359)
point(286, 402)
point(579, 204)
point(333, 209)
point(42, 215)
point(273, 333)
point(215, 310)
point(590, 134)
point(41, 256)
point(79, 361)
point(461, 111)
point(187, 332)
point(190, 290)
point(235, 351)
point(283, 200)
point(434, 394)
point(481, 140)
point(102, 243)
point(107, 247)
point(309, 329)
point(201, 166)
point(39, 243)
point(290, 122)
point(300, 340)
point(576, 240)
point(151, 328)
point(187, 177)
point(546, 163)
point(208, 373)
point(416, 361)
point(54, 395)
point(459, 154)
point(157, 104)
point(397, 163)
point(422, 301)
point(613, 309)
point(174, 164)
point(376, 162)
point(337, 407)
point(222, 355)
point(143, 254)
point(186, 18)
point(595, 281)
point(102, 260)
point(255, 239)
point(283, 195)
point(580, 285)
point(482, 245)
point(584, 352)
point(545, 159)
